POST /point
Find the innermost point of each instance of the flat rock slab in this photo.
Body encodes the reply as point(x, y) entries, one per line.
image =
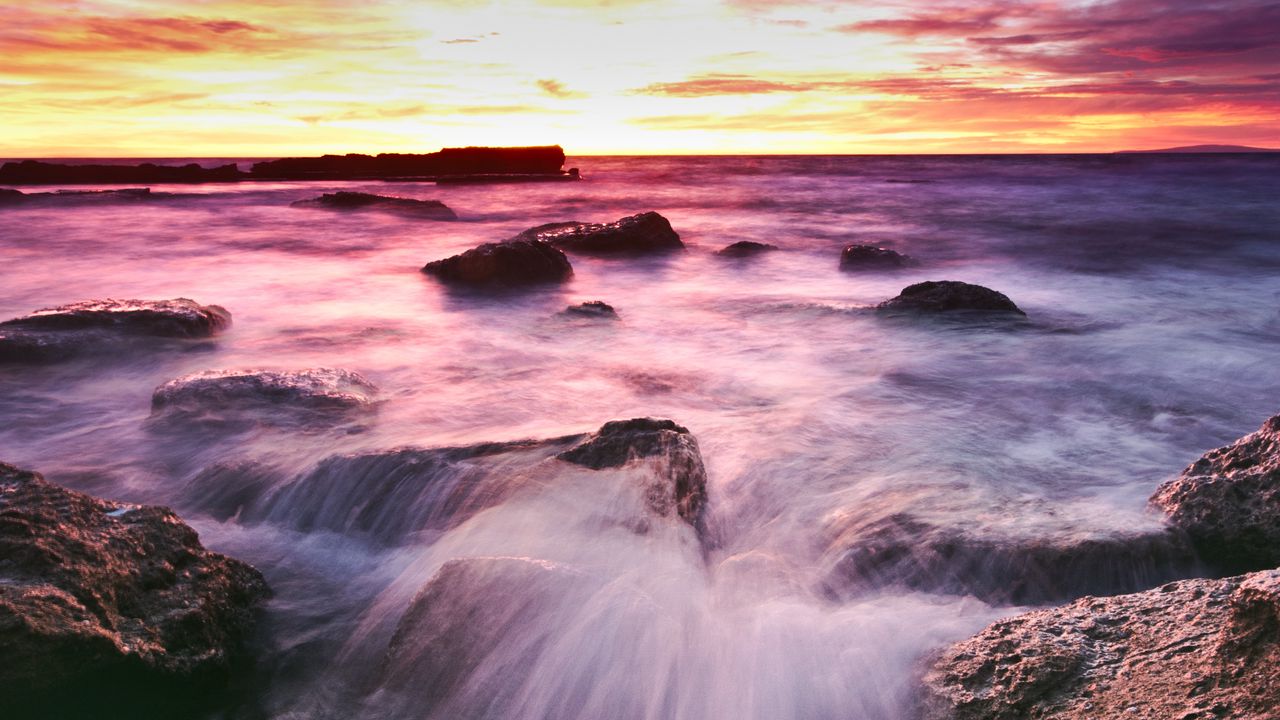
point(1191, 650)
point(869, 257)
point(634, 235)
point(1228, 501)
point(949, 296)
point(105, 602)
point(346, 200)
point(513, 263)
point(324, 390)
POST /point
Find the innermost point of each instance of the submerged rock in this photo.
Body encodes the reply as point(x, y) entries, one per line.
point(104, 602)
point(638, 234)
point(870, 257)
point(942, 296)
point(511, 263)
point(58, 333)
point(346, 200)
point(745, 248)
point(595, 310)
point(1191, 650)
point(326, 390)
point(1000, 568)
point(1228, 502)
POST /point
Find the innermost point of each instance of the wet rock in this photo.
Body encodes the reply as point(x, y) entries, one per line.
point(324, 390)
point(511, 263)
point(104, 602)
point(344, 200)
point(595, 310)
point(943, 296)
point(1003, 568)
point(870, 257)
point(635, 235)
point(58, 333)
point(1228, 501)
point(1193, 650)
point(9, 196)
point(745, 248)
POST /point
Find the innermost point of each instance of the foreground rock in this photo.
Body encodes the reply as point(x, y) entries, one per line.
point(343, 200)
point(635, 235)
point(869, 257)
point(593, 310)
point(745, 249)
point(1190, 650)
point(1228, 502)
point(948, 296)
point(214, 392)
point(1002, 567)
point(507, 264)
point(61, 332)
point(104, 603)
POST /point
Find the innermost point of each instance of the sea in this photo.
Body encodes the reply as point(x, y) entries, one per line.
point(1151, 285)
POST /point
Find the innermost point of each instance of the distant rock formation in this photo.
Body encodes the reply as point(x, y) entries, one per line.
point(870, 257)
point(506, 264)
point(1200, 149)
point(944, 296)
point(343, 200)
point(635, 235)
point(745, 248)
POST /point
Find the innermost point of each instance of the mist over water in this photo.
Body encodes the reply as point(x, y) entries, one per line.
point(1151, 287)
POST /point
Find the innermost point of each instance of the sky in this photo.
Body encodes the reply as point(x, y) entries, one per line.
point(257, 78)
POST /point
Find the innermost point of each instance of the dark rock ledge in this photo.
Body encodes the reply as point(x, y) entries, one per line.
point(346, 200)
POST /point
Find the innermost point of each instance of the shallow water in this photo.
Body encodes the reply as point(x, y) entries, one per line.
point(1150, 283)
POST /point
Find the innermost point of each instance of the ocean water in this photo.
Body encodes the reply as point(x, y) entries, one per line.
point(1151, 284)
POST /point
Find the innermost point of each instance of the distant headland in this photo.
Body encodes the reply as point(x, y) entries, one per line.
point(1203, 149)
point(470, 164)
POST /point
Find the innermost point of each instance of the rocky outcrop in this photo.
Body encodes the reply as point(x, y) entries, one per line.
point(1002, 567)
point(592, 310)
point(104, 602)
point(344, 200)
point(1228, 502)
point(448, 162)
point(61, 332)
point(949, 296)
point(1191, 650)
point(36, 172)
point(869, 257)
point(507, 264)
point(745, 249)
point(213, 392)
point(635, 235)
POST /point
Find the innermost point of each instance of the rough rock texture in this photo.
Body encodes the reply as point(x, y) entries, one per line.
point(870, 257)
point(1191, 650)
point(941, 296)
point(104, 602)
point(680, 480)
point(1229, 502)
point(58, 333)
point(595, 310)
point(315, 389)
point(635, 235)
point(904, 551)
point(345, 200)
point(745, 248)
point(511, 263)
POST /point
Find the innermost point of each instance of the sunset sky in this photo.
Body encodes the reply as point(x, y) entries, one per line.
point(276, 77)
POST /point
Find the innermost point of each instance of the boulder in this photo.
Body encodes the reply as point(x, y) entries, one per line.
point(635, 235)
point(870, 257)
point(1228, 502)
point(320, 390)
point(594, 310)
point(106, 604)
point(1002, 567)
point(745, 249)
point(1190, 650)
point(945, 296)
point(344, 200)
point(511, 263)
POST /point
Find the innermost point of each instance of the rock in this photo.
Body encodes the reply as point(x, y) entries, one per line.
point(1193, 650)
point(510, 263)
point(943, 296)
point(595, 310)
point(36, 172)
point(58, 333)
point(449, 162)
point(635, 235)
point(870, 257)
point(343, 200)
point(325, 390)
point(10, 197)
point(1002, 567)
point(1228, 501)
point(104, 602)
point(745, 248)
